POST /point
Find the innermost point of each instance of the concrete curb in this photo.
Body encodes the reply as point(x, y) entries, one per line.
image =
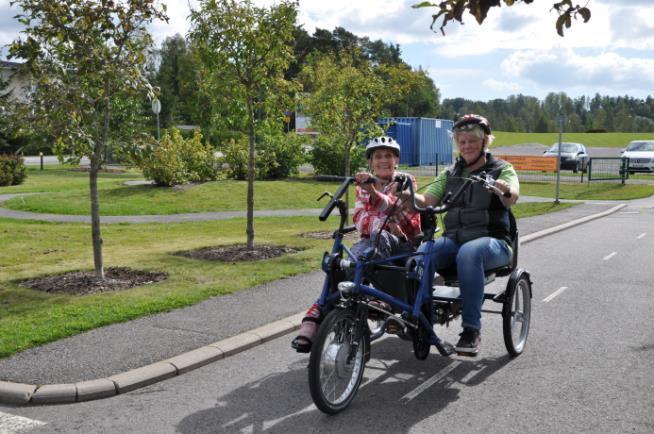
point(22, 394)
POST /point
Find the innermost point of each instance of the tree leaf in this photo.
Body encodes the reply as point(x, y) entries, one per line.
point(585, 13)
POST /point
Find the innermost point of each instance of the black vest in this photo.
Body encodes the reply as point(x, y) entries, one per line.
point(477, 213)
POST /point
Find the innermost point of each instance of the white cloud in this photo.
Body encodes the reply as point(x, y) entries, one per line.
point(501, 86)
point(604, 72)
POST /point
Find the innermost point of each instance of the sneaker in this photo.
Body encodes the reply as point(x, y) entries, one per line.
point(468, 344)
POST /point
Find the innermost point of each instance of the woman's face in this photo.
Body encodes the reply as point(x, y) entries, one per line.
point(383, 162)
point(469, 146)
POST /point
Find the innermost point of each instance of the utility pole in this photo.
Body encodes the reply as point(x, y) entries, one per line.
point(558, 159)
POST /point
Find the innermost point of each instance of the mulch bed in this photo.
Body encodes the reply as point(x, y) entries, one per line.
point(327, 235)
point(84, 282)
point(238, 253)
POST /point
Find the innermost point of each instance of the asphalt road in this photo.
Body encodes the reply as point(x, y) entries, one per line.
point(588, 365)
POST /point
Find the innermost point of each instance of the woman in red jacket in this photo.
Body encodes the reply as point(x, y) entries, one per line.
point(381, 221)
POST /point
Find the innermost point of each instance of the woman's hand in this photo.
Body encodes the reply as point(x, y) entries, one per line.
point(503, 187)
point(361, 179)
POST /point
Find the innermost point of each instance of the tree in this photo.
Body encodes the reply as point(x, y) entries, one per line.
point(176, 79)
point(247, 49)
point(450, 10)
point(345, 102)
point(81, 55)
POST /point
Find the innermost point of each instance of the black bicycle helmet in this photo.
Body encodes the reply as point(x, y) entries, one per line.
point(469, 120)
point(382, 142)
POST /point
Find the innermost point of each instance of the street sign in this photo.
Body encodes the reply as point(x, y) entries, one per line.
point(156, 106)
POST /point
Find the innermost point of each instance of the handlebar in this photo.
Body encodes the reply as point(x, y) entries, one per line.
point(335, 198)
point(487, 180)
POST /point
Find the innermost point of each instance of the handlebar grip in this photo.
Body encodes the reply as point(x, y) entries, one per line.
point(332, 202)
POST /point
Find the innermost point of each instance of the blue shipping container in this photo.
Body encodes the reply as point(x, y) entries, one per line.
point(423, 141)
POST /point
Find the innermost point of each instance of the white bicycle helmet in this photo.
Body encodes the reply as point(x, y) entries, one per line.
point(382, 142)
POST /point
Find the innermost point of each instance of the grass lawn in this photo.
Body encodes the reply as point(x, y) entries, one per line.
point(31, 317)
point(600, 140)
point(593, 191)
point(57, 178)
point(228, 195)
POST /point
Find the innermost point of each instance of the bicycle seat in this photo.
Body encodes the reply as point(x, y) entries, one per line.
point(449, 274)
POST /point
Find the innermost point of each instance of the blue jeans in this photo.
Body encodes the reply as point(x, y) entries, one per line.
point(472, 259)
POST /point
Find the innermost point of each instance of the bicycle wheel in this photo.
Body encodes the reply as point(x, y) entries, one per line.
point(335, 368)
point(516, 315)
point(421, 346)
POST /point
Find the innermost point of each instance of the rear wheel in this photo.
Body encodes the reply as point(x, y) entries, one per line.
point(516, 315)
point(337, 362)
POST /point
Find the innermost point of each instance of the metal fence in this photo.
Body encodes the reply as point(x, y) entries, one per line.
point(608, 169)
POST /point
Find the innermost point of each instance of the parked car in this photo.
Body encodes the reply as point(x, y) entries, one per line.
point(641, 156)
point(573, 156)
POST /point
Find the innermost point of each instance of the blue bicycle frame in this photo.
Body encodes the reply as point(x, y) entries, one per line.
point(423, 298)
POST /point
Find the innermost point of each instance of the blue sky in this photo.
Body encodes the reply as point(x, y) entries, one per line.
point(516, 50)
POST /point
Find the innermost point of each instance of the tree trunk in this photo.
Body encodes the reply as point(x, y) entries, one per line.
point(96, 164)
point(251, 173)
point(95, 213)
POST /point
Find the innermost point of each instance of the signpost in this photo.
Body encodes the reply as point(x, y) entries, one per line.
point(156, 109)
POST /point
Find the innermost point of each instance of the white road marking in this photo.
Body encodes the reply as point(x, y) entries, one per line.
point(609, 256)
point(427, 384)
point(641, 236)
point(10, 424)
point(554, 294)
point(630, 212)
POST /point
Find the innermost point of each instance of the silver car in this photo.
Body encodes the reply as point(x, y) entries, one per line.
point(573, 156)
point(641, 156)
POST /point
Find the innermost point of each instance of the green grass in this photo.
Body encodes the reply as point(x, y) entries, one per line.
point(226, 195)
point(30, 318)
point(600, 140)
point(57, 178)
point(116, 199)
point(592, 191)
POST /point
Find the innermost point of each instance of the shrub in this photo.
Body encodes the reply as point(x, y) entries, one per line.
point(176, 160)
point(236, 157)
point(12, 170)
point(280, 156)
point(277, 156)
point(328, 158)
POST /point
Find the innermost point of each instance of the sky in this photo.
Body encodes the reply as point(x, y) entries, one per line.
point(515, 51)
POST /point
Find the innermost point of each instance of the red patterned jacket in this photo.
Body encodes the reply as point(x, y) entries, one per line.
point(371, 212)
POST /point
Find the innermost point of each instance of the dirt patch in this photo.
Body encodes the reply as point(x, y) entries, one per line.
point(84, 282)
point(327, 235)
point(238, 253)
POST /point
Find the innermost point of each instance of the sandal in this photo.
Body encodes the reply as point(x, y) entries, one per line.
point(308, 329)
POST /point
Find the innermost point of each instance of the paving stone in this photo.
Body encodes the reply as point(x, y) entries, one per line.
point(274, 329)
point(144, 376)
point(55, 394)
point(196, 358)
point(15, 393)
point(236, 344)
point(95, 389)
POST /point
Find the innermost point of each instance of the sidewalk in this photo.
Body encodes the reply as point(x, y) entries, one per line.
point(122, 357)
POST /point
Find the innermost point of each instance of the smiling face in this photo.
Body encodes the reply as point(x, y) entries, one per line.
point(383, 162)
point(470, 145)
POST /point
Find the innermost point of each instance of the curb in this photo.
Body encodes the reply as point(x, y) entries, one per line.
point(23, 394)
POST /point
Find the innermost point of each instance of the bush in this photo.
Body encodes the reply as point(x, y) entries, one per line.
point(277, 156)
point(12, 170)
point(280, 156)
point(236, 157)
point(328, 158)
point(176, 160)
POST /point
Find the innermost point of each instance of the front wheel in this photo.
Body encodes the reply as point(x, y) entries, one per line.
point(337, 361)
point(516, 315)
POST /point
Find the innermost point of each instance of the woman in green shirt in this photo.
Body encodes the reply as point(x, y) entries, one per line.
point(477, 231)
